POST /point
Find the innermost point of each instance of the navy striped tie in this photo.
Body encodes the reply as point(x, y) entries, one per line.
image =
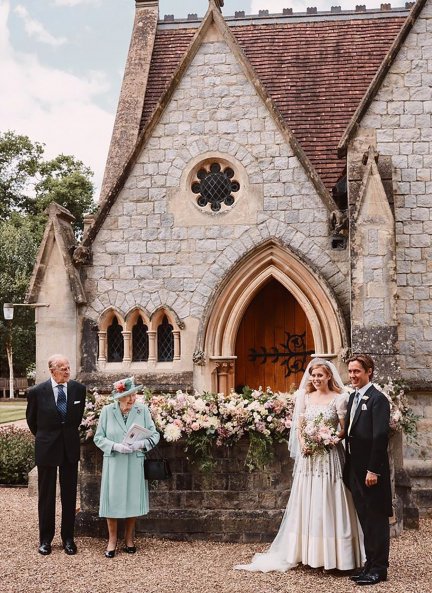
point(61, 402)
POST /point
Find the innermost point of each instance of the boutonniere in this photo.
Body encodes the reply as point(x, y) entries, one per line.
point(364, 407)
point(138, 411)
point(365, 398)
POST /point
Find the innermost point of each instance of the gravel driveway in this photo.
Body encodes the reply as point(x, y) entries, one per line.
point(177, 567)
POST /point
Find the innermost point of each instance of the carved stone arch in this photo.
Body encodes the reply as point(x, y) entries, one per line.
point(132, 317)
point(157, 316)
point(106, 317)
point(224, 315)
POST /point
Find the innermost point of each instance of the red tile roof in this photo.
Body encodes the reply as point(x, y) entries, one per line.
point(315, 72)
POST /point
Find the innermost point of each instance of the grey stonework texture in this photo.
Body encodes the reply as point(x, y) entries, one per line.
point(401, 116)
point(143, 257)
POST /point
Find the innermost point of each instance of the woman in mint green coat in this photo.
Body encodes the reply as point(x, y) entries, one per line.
point(124, 491)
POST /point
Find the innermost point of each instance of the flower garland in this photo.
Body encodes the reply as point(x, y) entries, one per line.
point(402, 417)
point(215, 419)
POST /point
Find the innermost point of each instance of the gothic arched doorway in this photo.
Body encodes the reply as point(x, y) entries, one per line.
point(274, 340)
point(269, 262)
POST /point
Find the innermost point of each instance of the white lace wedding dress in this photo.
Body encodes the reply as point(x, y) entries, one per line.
point(320, 526)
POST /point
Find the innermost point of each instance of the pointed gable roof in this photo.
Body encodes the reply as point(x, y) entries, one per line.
point(315, 69)
point(213, 16)
point(379, 76)
point(58, 230)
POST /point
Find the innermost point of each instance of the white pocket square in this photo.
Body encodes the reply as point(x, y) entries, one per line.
point(364, 407)
point(77, 402)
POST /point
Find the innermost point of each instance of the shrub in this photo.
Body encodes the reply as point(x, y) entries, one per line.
point(16, 455)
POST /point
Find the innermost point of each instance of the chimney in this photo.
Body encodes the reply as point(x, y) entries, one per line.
point(131, 101)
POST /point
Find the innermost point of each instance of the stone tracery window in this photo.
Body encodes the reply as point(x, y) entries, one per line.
point(138, 338)
point(214, 186)
point(140, 341)
point(165, 341)
point(115, 343)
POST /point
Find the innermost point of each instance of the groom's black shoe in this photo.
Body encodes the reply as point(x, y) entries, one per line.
point(360, 573)
point(372, 578)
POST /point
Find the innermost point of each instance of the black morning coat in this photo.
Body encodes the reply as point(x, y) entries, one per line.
point(55, 442)
point(366, 448)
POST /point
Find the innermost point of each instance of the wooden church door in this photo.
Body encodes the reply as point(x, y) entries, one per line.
point(274, 341)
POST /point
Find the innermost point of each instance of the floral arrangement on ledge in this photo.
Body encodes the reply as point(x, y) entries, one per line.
point(215, 419)
point(402, 417)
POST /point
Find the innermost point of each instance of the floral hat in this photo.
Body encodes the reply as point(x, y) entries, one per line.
point(125, 387)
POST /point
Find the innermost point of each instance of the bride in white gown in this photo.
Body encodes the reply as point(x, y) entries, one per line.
point(320, 526)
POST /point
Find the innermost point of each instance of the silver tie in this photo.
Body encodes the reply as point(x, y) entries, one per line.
point(354, 406)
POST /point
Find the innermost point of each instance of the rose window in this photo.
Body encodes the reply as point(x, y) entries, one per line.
point(215, 187)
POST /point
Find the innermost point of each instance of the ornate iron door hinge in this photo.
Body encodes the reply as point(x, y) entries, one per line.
point(292, 356)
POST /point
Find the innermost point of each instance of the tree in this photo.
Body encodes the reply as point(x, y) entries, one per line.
point(28, 184)
point(18, 247)
point(20, 160)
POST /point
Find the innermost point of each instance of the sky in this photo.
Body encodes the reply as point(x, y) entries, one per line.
point(62, 64)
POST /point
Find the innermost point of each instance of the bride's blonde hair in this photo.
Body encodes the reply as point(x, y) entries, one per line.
point(331, 384)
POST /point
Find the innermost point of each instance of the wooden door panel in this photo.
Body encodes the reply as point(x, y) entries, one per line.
point(263, 347)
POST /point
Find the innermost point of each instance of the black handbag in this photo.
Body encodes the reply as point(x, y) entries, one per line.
point(156, 467)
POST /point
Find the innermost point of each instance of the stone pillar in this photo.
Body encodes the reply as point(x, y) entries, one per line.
point(127, 342)
point(176, 335)
point(373, 261)
point(102, 335)
point(152, 345)
point(225, 367)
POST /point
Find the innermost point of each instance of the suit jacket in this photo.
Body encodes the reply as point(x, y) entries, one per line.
point(55, 442)
point(366, 448)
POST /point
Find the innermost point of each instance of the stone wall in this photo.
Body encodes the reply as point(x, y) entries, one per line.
point(229, 504)
point(399, 121)
point(148, 253)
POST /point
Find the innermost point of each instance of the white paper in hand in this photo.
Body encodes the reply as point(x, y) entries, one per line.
point(136, 433)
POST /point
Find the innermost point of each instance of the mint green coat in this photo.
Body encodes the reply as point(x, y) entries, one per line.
point(124, 491)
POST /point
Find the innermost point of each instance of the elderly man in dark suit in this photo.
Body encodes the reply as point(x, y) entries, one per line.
point(367, 472)
point(54, 412)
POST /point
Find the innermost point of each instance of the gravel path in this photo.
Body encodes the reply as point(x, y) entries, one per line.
point(166, 567)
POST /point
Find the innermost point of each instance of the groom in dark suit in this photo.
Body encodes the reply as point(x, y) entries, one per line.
point(367, 472)
point(54, 412)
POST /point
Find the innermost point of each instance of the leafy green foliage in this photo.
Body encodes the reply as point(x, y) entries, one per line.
point(18, 248)
point(16, 455)
point(20, 160)
point(199, 450)
point(260, 452)
point(28, 185)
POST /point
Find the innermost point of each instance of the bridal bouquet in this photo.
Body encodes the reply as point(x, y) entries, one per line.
point(318, 436)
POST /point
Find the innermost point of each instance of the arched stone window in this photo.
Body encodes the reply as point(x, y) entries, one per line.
point(140, 341)
point(115, 342)
point(165, 341)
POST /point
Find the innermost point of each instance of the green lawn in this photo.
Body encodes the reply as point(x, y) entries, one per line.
point(11, 411)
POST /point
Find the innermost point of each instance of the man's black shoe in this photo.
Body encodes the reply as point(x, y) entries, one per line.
point(70, 547)
point(44, 549)
point(371, 578)
point(360, 573)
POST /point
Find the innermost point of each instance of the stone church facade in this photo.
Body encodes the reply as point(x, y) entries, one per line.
point(267, 196)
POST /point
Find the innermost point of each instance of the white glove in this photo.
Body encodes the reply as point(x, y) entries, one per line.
point(122, 448)
point(137, 445)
